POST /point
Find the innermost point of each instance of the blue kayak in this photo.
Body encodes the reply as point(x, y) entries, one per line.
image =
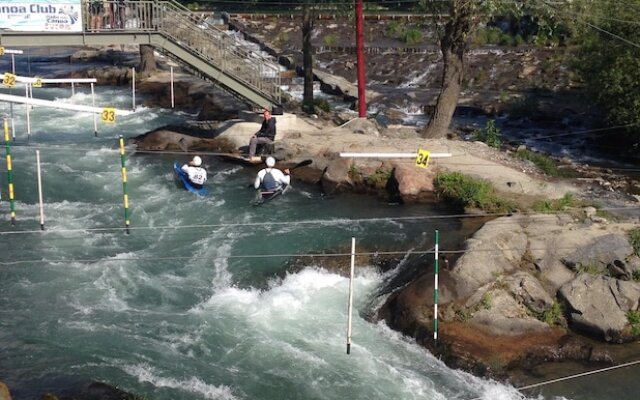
point(186, 183)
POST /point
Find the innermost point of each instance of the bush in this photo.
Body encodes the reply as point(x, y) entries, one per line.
point(543, 162)
point(633, 316)
point(331, 39)
point(553, 315)
point(393, 30)
point(465, 191)
point(490, 134)
point(412, 36)
point(551, 206)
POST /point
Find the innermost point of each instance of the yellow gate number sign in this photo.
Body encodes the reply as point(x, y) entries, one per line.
point(422, 160)
point(37, 83)
point(108, 115)
point(1, 51)
point(9, 79)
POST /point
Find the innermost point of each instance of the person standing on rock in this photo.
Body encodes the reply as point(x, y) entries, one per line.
point(266, 134)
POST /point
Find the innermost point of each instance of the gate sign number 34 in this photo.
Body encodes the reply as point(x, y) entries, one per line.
point(422, 160)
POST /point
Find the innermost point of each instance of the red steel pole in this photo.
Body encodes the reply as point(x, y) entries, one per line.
point(362, 103)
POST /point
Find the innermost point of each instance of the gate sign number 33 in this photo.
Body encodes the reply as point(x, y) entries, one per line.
point(108, 115)
point(422, 160)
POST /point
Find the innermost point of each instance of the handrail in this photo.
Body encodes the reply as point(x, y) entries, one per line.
point(179, 24)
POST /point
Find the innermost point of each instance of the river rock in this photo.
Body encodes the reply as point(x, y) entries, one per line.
point(527, 290)
point(477, 266)
point(414, 183)
point(500, 314)
point(599, 253)
point(598, 305)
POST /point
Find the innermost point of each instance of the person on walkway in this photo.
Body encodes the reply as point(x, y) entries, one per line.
point(96, 9)
point(196, 174)
point(271, 179)
point(266, 134)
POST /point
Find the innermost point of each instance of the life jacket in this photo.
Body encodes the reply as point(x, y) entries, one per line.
point(268, 181)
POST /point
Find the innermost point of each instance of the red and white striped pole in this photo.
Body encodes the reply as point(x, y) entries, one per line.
point(362, 102)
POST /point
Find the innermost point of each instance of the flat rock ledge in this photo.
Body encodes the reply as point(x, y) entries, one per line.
point(301, 138)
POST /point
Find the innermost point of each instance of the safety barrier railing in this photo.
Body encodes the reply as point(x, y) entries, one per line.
point(191, 31)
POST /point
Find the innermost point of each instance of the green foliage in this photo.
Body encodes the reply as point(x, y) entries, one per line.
point(393, 30)
point(331, 39)
point(322, 104)
point(463, 315)
point(412, 36)
point(555, 205)
point(379, 178)
point(633, 316)
point(282, 38)
point(610, 66)
point(490, 134)
point(486, 301)
point(589, 269)
point(634, 239)
point(465, 191)
point(543, 162)
point(553, 315)
point(635, 275)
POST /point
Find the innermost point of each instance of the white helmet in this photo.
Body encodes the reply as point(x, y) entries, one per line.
point(197, 161)
point(270, 162)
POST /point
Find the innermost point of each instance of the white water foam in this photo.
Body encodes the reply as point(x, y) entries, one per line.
point(147, 373)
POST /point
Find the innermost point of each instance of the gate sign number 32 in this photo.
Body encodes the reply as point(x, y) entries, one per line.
point(9, 79)
point(422, 160)
point(108, 115)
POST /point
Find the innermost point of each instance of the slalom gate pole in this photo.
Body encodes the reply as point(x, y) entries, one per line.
point(133, 88)
point(350, 307)
point(124, 185)
point(95, 116)
point(435, 290)
point(173, 104)
point(27, 107)
point(40, 190)
point(7, 148)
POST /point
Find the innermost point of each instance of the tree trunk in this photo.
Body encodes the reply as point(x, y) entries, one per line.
point(452, 45)
point(307, 57)
point(147, 60)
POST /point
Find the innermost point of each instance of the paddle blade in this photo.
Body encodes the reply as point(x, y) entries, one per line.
point(302, 164)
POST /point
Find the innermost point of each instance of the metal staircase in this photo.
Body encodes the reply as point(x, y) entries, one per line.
point(186, 35)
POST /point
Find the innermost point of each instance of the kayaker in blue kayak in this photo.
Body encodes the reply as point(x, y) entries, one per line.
point(196, 174)
point(271, 179)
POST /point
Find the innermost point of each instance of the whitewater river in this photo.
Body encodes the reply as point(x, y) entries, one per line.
point(202, 300)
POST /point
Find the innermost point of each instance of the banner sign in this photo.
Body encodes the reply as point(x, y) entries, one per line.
point(41, 15)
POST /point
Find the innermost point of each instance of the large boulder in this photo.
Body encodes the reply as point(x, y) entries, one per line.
point(599, 253)
point(414, 184)
point(477, 266)
point(599, 305)
point(500, 314)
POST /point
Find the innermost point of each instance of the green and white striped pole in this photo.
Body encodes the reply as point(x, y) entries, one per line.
point(435, 290)
point(7, 148)
point(124, 185)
